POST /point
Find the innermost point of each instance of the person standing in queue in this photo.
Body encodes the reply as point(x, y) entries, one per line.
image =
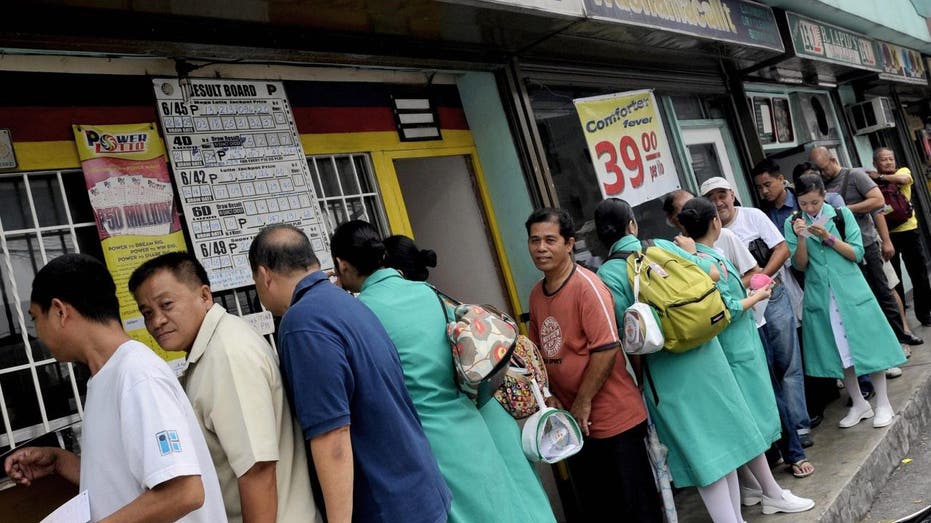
point(344, 378)
point(572, 321)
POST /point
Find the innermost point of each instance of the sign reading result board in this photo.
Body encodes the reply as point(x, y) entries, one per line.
point(627, 143)
point(239, 166)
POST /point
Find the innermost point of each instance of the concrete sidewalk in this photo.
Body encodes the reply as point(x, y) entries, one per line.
point(852, 465)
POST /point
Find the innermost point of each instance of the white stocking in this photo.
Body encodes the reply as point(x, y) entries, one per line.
point(879, 386)
point(718, 502)
point(761, 471)
point(853, 387)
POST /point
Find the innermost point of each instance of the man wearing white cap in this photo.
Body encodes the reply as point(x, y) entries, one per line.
point(769, 248)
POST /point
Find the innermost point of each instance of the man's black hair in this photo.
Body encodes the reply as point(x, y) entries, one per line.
point(282, 248)
point(183, 265)
point(80, 281)
point(766, 166)
point(554, 215)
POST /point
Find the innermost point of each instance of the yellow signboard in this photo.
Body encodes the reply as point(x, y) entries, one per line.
point(628, 146)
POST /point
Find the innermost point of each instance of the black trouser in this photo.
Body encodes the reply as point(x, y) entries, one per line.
point(614, 481)
point(873, 272)
point(908, 248)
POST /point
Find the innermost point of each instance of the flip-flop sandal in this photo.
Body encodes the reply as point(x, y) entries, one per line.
point(797, 466)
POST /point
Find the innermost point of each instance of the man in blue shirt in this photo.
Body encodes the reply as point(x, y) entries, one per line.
point(372, 459)
point(777, 198)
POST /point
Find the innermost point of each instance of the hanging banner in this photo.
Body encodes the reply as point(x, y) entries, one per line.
point(133, 202)
point(239, 166)
point(627, 143)
point(901, 64)
point(737, 21)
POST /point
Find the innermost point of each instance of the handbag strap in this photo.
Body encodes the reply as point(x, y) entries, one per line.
point(444, 298)
point(535, 388)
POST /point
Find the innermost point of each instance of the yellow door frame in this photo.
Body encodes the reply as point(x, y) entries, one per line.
point(396, 211)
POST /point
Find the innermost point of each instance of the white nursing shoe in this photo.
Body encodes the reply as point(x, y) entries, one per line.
point(789, 503)
point(884, 417)
point(856, 415)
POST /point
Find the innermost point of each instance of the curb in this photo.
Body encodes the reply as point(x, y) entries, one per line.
point(854, 500)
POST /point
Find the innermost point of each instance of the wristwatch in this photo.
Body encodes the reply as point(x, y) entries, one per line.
point(829, 241)
point(882, 177)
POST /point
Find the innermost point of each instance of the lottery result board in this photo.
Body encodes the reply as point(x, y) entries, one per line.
point(239, 166)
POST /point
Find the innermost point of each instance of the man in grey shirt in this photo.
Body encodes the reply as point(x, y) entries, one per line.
point(863, 198)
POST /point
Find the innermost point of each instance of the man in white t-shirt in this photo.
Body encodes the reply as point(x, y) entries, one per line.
point(143, 455)
point(769, 248)
point(728, 242)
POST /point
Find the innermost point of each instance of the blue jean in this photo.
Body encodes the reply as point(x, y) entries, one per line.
point(785, 358)
point(789, 444)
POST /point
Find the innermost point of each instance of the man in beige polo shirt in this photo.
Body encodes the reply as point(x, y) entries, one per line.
point(233, 381)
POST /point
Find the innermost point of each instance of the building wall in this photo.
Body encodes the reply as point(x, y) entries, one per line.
point(509, 193)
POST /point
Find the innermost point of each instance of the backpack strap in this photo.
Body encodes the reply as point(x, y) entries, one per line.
point(841, 223)
point(623, 255)
point(844, 184)
point(649, 376)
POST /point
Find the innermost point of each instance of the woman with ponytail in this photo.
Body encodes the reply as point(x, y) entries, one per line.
point(479, 452)
point(745, 354)
point(693, 398)
point(411, 262)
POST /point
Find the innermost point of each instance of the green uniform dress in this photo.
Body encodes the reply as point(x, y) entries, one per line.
point(693, 397)
point(742, 345)
point(479, 453)
point(873, 345)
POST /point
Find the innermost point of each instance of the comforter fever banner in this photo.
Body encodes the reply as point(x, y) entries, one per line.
point(627, 143)
point(130, 192)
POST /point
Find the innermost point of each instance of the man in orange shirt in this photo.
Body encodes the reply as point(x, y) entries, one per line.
point(572, 321)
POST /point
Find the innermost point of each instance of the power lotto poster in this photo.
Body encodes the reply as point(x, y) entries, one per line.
point(130, 192)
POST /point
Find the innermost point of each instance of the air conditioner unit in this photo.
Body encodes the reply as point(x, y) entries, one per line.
point(817, 122)
point(871, 116)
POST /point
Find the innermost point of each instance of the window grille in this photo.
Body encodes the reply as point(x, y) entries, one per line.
point(44, 215)
point(346, 190)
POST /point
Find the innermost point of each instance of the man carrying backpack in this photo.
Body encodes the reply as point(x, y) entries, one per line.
point(572, 321)
point(896, 186)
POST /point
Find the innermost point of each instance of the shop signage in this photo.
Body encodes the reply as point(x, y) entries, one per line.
point(563, 7)
point(7, 153)
point(738, 21)
point(900, 64)
point(133, 202)
point(829, 43)
point(627, 143)
point(239, 166)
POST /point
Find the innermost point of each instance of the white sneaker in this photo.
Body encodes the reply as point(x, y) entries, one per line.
point(855, 415)
point(750, 497)
point(893, 373)
point(884, 417)
point(789, 503)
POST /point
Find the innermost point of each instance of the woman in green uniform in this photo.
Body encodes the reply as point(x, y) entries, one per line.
point(693, 398)
point(481, 460)
point(843, 331)
point(743, 349)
